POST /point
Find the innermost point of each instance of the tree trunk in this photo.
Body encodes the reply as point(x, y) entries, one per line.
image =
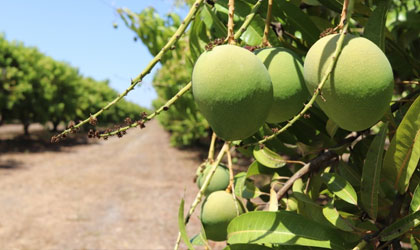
point(26, 128)
point(55, 126)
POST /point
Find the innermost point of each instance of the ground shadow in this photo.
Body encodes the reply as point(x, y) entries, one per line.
point(39, 141)
point(10, 164)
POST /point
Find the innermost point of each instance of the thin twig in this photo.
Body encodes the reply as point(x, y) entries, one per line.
point(231, 187)
point(166, 106)
point(265, 41)
point(210, 157)
point(316, 163)
point(343, 18)
point(203, 188)
point(175, 37)
point(361, 245)
point(312, 165)
point(231, 36)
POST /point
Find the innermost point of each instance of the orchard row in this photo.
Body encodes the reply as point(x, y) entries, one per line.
point(35, 88)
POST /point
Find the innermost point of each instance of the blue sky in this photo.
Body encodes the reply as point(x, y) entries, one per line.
point(81, 32)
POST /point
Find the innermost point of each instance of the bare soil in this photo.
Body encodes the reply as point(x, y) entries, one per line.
point(116, 194)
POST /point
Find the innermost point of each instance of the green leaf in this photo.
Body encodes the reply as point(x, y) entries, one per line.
point(403, 154)
point(268, 158)
point(198, 38)
point(253, 34)
point(181, 225)
point(283, 228)
point(274, 203)
point(200, 239)
point(245, 188)
point(415, 201)
point(332, 215)
point(375, 27)
point(246, 247)
point(372, 172)
point(340, 187)
point(197, 240)
point(257, 168)
point(213, 22)
point(296, 18)
point(415, 242)
point(400, 227)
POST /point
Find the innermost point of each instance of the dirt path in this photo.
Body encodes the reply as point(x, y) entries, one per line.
point(116, 194)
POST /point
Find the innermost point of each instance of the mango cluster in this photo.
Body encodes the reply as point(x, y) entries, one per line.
point(237, 91)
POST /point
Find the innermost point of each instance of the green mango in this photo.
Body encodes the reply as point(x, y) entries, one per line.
point(233, 91)
point(289, 90)
point(359, 89)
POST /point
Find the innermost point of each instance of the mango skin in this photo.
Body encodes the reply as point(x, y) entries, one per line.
point(289, 90)
point(216, 213)
point(219, 181)
point(233, 91)
point(359, 90)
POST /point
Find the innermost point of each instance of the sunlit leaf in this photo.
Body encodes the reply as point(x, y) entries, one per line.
point(403, 154)
point(181, 225)
point(283, 228)
point(213, 22)
point(245, 188)
point(340, 187)
point(415, 200)
point(332, 215)
point(268, 158)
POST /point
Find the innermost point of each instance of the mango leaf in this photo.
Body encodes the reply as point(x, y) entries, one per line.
point(253, 34)
point(415, 201)
point(274, 203)
point(296, 18)
point(349, 173)
point(246, 247)
point(415, 242)
point(283, 228)
point(257, 168)
point(372, 172)
point(314, 186)
point(268, 158)
point(332, 215)
point(375, 27)
point(245, 188)
point(306, 206)
point(340, 187)
point(403, 154)
point(400, 227)
point(212, 21)
point(197, 240)
point(197, 38)
point(181, 225)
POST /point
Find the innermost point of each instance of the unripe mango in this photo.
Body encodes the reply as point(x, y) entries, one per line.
point(359, 89)
point(289, 90)
point(233, 91)
point(216, 213)
point(219, 181)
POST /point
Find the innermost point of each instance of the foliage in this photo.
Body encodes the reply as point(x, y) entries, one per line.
point(320, 186)
point(36, 88)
